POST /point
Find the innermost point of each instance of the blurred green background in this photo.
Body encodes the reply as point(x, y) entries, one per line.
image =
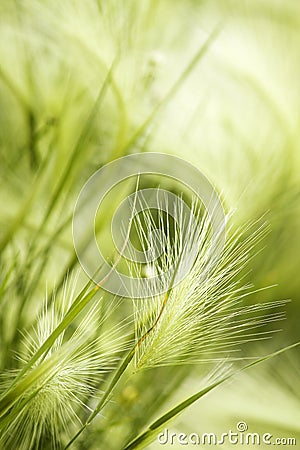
point(83, 83)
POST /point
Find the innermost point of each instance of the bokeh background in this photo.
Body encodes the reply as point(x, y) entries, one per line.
point(83, 83)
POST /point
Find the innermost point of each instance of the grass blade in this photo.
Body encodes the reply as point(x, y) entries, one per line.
point(150, 434)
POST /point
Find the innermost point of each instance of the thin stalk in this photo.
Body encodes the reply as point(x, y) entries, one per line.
point(76, 151)
point(187, 71)
point(125, 363)
point(80, 302)
point(25, 209)
point(148, 435)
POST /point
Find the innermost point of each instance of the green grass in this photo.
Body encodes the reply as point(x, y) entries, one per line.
point(82, 84)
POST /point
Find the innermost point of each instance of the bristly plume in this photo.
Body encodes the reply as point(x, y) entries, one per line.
point(74, 368)
point(202, 318)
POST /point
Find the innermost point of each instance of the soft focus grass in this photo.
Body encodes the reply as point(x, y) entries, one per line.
point(83, 83)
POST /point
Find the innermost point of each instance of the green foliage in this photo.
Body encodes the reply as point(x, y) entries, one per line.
point(82, 84)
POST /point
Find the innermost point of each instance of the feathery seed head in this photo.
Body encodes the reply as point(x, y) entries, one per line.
point(75, 367)
point(203, 317)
